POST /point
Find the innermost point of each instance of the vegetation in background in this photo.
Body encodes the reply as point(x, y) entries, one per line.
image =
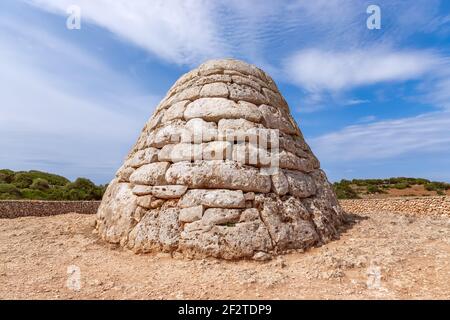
point(37, 185)
point(346, 189)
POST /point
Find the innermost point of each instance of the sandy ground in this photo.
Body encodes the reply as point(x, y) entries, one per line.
point(382, 256)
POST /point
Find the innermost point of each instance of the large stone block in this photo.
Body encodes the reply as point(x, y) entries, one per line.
point(218, 174)
point(150, 174)
point(214, 198)
point(214, 109)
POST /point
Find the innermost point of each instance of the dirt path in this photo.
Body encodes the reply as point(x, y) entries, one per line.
point(387, 256)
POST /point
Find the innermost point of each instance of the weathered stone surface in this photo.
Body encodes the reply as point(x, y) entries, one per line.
point(145, 201)
point(234, 65)
point(115, 214)
point(198, 130)
point(247, 81)
point(213, 78)
point(222, 170)
point(142, 157)
point(217, 89)
point(236, 125)
point(249, 196)
point(245, 93)
point(176, 111)
point(238, 241)
point(215, 150)
point(124, 174)
point(214, 198)
point(280, 183)
point(168, 192)
point(248, 215)
point(141, 190)
point(158, 230)
point(191, 214)
point(150, 174)
point(214, 109)
point(250, 154)
point(277, 119)
point(190, 93)
point(221, 216)
point(170, 133)
point(291, 161)
point(275, 99)
point(154, 121)
point(287, 230)
point(218, 174)
point(262, 256)
point(300, 185)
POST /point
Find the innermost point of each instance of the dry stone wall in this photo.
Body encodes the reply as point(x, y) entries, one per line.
point(414, 205)
point(23, 208)
point(220, 169)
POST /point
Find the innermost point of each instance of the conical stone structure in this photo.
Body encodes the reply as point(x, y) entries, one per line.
point(221, 169)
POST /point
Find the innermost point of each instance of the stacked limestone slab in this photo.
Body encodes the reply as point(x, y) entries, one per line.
point(187, 188)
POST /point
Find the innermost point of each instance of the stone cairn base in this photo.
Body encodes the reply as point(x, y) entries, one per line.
point(221, 169)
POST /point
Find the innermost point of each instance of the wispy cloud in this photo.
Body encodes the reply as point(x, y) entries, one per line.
point(318, 70)
point(176, 31)
point(386, 139)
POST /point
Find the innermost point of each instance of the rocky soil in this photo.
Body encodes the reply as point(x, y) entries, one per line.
point(378, 256)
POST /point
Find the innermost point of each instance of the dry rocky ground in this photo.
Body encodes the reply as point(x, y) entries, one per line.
point(408, 254)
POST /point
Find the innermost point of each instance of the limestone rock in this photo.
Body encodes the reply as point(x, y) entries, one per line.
point(218, 174)
point(168, 192)
point(191, 214)
point(175, 111)
point(216, 198)
point(150, 174)
point(217, 89)
point(300, 185)
point(280, 184)
point(141, 190)
point(221, 169)
point(198, 131)
point(142, 157)
point(214, 109)
point(221, 216)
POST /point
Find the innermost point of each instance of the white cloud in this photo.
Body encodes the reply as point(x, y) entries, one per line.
point(386, 139)
point(176, 31)
point(317, 70)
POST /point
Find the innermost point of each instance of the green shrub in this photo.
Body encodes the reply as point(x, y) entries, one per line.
point(436, 186)
point(56, 194)
point(22, 180)
point(401, 185)
point(53, 179)
point(40, 184)
point(76, 194)
point(33, 194)
point(9, 191)
point(6, 176)
point(344, 190)
point(84, 189)
point(374, 189)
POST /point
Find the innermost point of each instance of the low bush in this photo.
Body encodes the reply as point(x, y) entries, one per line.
point(37, 185)
point(40, 184)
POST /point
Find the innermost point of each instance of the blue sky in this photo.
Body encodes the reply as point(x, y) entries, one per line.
point(371, 103)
